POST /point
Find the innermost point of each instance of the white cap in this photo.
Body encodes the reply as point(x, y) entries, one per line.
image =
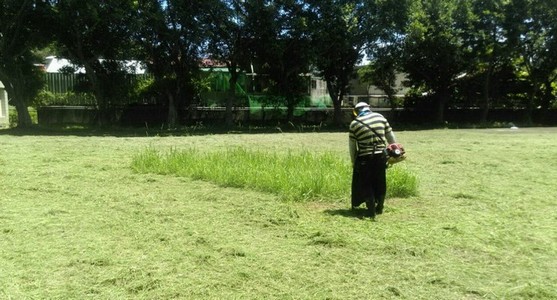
point(362, 106)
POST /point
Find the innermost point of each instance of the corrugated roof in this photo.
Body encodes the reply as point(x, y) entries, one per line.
point(54, 64)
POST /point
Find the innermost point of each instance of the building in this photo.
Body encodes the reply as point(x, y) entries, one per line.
point(366, 92)
point(251, 88)
point(4, 109)
point(55, 64)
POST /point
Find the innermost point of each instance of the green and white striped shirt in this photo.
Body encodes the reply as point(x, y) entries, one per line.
point(365, 140)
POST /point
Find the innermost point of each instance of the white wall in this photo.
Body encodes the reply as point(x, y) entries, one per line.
point(4, 113)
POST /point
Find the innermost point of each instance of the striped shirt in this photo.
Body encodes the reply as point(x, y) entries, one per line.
point(367, 141)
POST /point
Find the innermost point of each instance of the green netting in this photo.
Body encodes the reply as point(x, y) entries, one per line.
point(259, 104)
point(220, 80)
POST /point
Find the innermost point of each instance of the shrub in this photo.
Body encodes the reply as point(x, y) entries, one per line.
point(14, 119)
point(46, 98)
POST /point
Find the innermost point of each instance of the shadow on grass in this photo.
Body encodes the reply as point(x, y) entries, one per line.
point(359, 213)
point(161, 131)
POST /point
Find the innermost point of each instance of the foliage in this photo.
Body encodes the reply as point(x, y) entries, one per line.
point(554, 93)
point(97, 37)
point(483, 32)
point(434, 55)
point(381, 72)
point(20, 34)
point(228, 44)
point(145, 91)
point(14, 120)
point(46, 98)
point(459, 52)
point(499, 53)
point(280, 46)
point(532, 27)
point(337, 32)
point(385, 34)
point(417, 98)
point(172, 39)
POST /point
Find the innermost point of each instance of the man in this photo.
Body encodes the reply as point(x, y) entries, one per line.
point(370, 133)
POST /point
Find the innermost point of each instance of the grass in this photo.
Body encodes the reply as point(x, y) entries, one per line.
point(293, 176)
point(77, 222)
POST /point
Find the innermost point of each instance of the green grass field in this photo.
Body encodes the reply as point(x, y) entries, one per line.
point(78, 222)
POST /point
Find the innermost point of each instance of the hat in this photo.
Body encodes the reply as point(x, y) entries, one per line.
point(362, 106)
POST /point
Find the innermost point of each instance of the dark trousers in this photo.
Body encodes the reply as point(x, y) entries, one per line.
point(369, 182)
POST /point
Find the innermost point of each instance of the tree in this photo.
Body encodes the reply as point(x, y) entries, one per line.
point(281, 47)
point(384, 35)
point(482, 29)
point(20, 32)
point(337, 34)
point(433, 52)
point(172, 34)
point(96, 35)
point(532, 27)
point(382, 72)
point(228, 43)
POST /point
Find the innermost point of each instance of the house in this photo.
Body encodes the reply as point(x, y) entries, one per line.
point(366, 92)
point(250, 86)
point(55, 64)
point(253, 85)
point(58, 81)
point(4, 110)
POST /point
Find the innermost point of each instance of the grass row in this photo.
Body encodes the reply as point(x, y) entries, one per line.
point(294, 176)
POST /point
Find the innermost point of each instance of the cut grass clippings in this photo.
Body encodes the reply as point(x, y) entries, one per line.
point(294, 176)
point(76, 222)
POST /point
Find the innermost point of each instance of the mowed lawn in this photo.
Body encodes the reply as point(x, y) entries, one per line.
point(77, 223)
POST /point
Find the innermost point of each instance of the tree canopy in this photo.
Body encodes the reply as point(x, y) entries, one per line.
point(21, 32)
point(484, 54)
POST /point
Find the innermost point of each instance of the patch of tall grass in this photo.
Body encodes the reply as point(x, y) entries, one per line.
point(294, 176)
point(401, 182)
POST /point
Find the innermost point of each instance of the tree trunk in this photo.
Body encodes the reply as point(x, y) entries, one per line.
point(442, 100)
point(172, 113)
point(337, 103)
point(546, 102)
point(229, 120)
point(337, 113)
point(486, 99)
point(530, 104)
point(20, 103)
point(93, 78)
point(290, 111)
point(529, 110)
point(23, 116)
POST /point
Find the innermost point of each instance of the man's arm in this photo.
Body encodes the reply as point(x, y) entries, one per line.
point(389, 134)
point(390, 137)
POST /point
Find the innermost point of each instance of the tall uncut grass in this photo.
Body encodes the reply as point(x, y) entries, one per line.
point(294, 176)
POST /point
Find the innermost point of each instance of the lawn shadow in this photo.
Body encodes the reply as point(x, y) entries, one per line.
point(162, 131)
point(359, 213)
